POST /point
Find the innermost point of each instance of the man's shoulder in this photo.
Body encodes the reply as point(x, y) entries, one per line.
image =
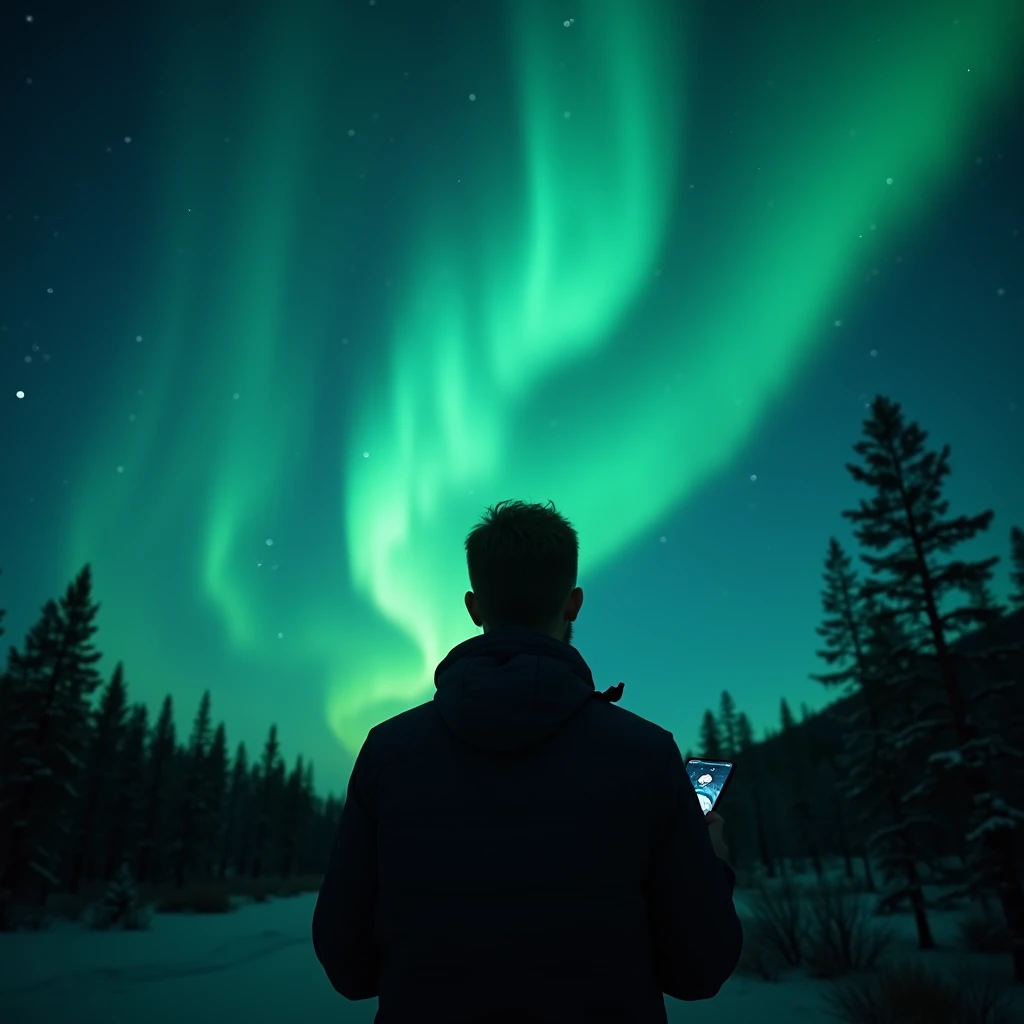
point(622, 718)
point(628, 725)
point(404, 720)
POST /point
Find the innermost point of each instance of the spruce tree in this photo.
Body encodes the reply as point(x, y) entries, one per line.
point(216, 781)
point(125, 824)
point(841, 629)
point(744, 733)
point(747, 751)
point(313, 811)
point(193, 809)
point(269, 769)
point(861, 653)
point(710, 738)
point(120, 904)
point(237, 797)
point(798, 768)
point(1017, 566)
point(159, 766)
point(294, 820)
point(47, 709)
point(906, 520)
point(786, 719)
point(250, 823)
point(100, 761)
point(727, 725)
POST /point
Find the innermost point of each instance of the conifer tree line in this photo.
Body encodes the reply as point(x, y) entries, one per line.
point(91, 789)
point(918, 768)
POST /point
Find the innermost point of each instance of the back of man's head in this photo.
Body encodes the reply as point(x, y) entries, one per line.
point(523, 562)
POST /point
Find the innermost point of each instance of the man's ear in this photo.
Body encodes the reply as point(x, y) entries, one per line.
point(471, 608)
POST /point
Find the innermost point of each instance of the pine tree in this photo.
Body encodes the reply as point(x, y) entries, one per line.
point(250, 823)
point(216, 780)
point(159, 765)
point(858, 642)
point(786, 719)
point(238, 793)
point(710, 738)
point(193, 808)
point(294, 819)
point(744, 733)
point(841, 629)
point(1017, 562)
point(269, 769)
point(799, 767)
point(313, 811)
point(906, 521)
point(101, 757)
point(128, 792)
point(746, 749)
point(120, 904)
point(121, 895)
point(727, 725)
point(307, 779)
point(47, 704)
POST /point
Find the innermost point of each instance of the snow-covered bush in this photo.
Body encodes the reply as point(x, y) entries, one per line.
point(779, 919)
point(841, 939)
point(823, 927)
point(908, 993)
point(120, 905)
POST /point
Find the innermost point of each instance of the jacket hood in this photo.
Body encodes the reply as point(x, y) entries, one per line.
point(512, 687)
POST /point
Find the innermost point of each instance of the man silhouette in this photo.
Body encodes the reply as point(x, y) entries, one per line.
point(519, 849)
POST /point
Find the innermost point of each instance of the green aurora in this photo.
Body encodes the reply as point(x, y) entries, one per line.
point(556, 326)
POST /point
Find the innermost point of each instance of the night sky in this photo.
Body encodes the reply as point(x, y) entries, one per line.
point(289, 293)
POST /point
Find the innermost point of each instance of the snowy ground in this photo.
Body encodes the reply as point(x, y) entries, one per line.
point(257, 964)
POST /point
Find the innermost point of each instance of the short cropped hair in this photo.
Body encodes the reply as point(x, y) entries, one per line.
point(523, 561)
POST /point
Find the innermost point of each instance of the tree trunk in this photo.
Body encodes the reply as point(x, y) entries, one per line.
point(925, 940)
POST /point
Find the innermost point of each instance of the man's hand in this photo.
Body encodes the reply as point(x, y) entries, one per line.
point(715, 824)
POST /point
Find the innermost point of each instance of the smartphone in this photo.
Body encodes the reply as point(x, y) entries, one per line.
point(709, 779)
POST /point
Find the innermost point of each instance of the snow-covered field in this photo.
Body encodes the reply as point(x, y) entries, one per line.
point(257, 964)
